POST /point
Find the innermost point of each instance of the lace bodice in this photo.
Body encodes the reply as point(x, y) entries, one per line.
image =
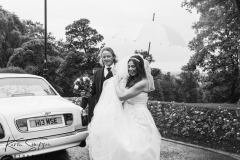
point(141, 98)
point(136, 108)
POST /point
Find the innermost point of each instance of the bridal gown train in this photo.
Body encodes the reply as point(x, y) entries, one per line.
point(123, 131)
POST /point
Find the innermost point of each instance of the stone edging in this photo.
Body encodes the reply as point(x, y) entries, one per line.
point(205, 148)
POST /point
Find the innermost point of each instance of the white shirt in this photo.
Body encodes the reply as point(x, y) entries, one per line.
point(106, 70)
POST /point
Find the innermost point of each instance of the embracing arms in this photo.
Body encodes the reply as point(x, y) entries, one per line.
point(131, 92)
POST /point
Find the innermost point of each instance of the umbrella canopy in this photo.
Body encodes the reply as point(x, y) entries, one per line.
point(151, 31)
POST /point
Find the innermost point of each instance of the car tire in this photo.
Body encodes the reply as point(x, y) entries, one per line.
point(83, 143)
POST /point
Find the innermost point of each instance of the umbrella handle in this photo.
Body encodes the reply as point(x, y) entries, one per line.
point(149, 47)
point(150, 42)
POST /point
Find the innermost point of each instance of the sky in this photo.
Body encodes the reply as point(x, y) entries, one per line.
point(109, 17)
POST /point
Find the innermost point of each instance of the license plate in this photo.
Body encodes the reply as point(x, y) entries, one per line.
point(45, 121)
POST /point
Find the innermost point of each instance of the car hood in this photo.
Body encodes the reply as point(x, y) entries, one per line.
point(30, 104)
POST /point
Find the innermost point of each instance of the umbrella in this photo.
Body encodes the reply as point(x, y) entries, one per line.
point(151, 31)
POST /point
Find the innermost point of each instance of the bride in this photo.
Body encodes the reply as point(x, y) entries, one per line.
point(122, 127)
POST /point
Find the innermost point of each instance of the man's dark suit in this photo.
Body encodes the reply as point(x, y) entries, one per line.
point(98, 80)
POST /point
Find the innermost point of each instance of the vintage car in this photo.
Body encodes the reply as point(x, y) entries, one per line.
point(35, 119)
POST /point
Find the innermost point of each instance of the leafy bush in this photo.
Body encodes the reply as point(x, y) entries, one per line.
point(12, 70)
point(211, 127)
point(76, 100)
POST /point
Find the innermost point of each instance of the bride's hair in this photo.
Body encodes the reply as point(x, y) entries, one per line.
point(141, 73)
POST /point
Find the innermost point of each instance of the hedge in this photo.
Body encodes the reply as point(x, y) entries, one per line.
point(211, 127)
point(12, 70)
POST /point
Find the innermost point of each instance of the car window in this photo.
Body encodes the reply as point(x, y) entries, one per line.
point(14, 87)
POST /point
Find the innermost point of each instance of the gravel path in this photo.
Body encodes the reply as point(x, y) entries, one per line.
point(169, 151)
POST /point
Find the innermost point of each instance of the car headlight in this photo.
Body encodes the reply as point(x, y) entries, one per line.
point(2, 134)
point(22, 124)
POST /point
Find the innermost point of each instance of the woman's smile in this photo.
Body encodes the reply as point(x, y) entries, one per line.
point(132, 69)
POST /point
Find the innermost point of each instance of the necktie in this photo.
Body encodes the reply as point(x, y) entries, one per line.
point(109, 69)
point(109, 73)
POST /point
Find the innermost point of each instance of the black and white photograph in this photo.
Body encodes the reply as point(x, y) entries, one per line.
point(120, 79)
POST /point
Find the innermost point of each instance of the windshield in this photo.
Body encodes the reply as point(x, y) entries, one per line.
point(27, 86)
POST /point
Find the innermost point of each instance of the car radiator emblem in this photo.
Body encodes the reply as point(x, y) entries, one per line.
point(46, 113)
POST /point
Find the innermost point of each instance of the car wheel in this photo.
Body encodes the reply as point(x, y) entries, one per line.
point(83, 143)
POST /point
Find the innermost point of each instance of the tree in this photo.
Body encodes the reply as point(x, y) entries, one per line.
point(30, 57)
point(216, 46)
point(157, 94)
point(62, 48)
point(168, 84)
point(189, 86)
point(81, 56)
point(11, 34)
point(145, 55)
point(84, 39)
point(178, 90)
point(74, 66)
point(35, 30)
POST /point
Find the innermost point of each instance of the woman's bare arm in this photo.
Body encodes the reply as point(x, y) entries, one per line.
point(131, 92)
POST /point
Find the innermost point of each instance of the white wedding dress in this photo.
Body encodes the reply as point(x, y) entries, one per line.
point(122, 130)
